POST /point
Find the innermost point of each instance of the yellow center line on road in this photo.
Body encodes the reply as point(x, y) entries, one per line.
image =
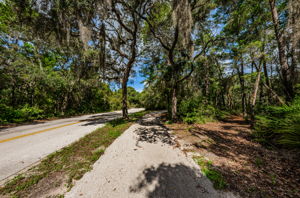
point(37, 132)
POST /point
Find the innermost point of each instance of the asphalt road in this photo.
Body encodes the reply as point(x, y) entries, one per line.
point(23, 146)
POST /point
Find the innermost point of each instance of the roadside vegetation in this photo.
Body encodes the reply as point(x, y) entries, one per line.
point(56, 173)
point(45, 104)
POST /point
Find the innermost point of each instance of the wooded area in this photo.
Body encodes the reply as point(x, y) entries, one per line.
point(201, 59)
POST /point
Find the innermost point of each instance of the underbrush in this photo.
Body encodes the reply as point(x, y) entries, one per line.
point(195, 111)
point(29, 113)
point(26, 113)
point(9, 115)
point(279, 125)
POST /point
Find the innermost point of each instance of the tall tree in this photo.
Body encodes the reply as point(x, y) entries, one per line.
point(171, 24)
point(123, 27)
point(286, 72)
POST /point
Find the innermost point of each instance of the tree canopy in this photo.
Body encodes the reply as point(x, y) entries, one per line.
point(200, 58)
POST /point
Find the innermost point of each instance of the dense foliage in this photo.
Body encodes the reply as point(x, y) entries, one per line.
point(238, 64)
point(31, 91)
point(202, 60)
point(46, 77)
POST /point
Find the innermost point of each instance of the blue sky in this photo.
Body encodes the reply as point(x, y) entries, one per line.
point(136, 82)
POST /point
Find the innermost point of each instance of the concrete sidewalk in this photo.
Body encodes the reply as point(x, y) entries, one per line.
point(145, 162)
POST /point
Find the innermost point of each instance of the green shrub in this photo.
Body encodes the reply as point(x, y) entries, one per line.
point(29, 113)
point(26, 113)
point(222, 115)
point(6, 113)
point(279, 125)
point(194, 111)
point(197, 117)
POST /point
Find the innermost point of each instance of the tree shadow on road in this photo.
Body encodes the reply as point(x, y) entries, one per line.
point(100, 119)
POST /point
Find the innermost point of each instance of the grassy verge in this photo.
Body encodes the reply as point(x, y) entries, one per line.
point(212, 174)
point(60, 169)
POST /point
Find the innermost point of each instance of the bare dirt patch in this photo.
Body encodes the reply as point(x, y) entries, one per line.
point(52, 185)
point(248, 168)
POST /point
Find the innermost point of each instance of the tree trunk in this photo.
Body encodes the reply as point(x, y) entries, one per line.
point(102, 52)
point(242, 82)
point(124, 91)
point(174, 89)
point(266, 73)
point(254, 95)
point(285, 72)
point(124, 102)
point(243, 90)
point(294, 26)
point(222, 103)
point(124, 98)
point(267, 79)
point(174, 103)
point(64, 104)
point(274, 94)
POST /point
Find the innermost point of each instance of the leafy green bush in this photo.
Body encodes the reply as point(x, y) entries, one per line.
point(26, 113)
point(29, 113)
point(198, 116)
point(279, 125)
point(152, 99)
point(194, 111)
point(6, 113)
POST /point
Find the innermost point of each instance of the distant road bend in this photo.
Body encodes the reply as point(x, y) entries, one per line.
point(23, 146)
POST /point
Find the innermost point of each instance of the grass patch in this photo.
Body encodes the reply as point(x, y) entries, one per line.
point(69, 163)
point(212, 174)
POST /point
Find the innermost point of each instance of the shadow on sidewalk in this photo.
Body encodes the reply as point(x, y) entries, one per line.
point(154, 135)
point(171, 181)
point(152, 131)
point(167, 180)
